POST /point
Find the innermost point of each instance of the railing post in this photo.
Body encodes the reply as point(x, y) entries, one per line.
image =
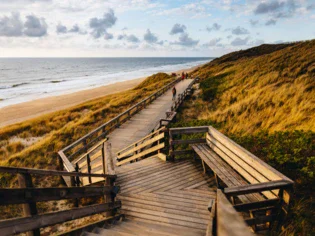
point(77, 178)
point(29, 209)
point(103, 159)
point(74, 184)
point(171, 148)
point(88, 160)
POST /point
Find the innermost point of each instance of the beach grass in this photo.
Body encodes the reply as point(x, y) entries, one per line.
point(264, 99)
point(54, 131)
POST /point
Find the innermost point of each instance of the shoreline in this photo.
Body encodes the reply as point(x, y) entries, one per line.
point(20, 112)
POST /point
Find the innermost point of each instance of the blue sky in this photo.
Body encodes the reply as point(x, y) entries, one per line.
point(110, 28)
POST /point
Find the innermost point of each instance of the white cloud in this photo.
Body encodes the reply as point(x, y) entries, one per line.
point(99, 26)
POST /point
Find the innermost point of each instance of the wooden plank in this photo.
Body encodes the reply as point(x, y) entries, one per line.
point(181, 152)
point(174, 211)
point(165, 180)
point(165, 214)
point(242, 168)
point(189, 141)
point(170, 204)
point(189, 130)
point(66, 163)
point(260, 219)
point(109, 160)
point(250, 158)
point(25, 195)
point(229, 222)
point(167, 199)
point(236, 179)
point(149, 136)
point(163, 172)
point(142, 172)
point(14, 170)
point(239, 190)
point(89, 151)
point(256, 205)
point(221, 169)
point(29, 208)
point(163, 219)
point(162, 156)
point(146, 152)
point(172, 181)
point(20, 225)
point(140, 146)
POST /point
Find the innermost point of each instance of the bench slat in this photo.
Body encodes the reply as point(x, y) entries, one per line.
point(225, 172)
point(244, 169)
point(248, 157)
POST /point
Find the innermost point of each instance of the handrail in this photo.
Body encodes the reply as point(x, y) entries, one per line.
point(132, 145)
point(118, 116)
point(142, 148)
point(28, 195)
point(15, 170)
point(229, 222)
point(89, 151)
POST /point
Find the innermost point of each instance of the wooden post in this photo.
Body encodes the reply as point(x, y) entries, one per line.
point(77, 178)
point(88, 160)
point(171, 148)
point(103, 158)
point(29, 209)
point(74, 184)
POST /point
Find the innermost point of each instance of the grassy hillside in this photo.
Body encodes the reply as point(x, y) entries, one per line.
point(264, 99)
point(34, 143)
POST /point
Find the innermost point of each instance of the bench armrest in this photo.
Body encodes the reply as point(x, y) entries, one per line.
point(254, 188)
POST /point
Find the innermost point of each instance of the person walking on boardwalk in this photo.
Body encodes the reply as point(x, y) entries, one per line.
point(174, 93)
point(186, 75)
point(183, 75)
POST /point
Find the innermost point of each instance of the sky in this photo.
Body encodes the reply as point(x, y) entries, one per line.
point(149, 28)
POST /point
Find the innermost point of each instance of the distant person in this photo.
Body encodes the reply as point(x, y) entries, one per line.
point(186, 75)
point(174, 93)
point(183, 75)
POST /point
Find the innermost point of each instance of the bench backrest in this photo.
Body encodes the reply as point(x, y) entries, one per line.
point(250, 167)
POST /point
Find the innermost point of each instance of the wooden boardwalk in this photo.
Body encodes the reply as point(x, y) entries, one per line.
point(168, 193)
point(144, 121)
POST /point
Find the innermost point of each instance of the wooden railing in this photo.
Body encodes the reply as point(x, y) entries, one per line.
point(89, 140)
point(181, 97)
point(226, 220)
point(97, 160)
point(147, 146)
point(28, 195)
point(175, 139)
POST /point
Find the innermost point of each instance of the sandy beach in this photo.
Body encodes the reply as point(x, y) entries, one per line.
point(23, 111)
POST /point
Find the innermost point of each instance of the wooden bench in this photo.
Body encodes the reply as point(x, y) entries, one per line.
point(240, 173)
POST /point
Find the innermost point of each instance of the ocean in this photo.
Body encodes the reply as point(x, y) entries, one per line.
point(26, 79)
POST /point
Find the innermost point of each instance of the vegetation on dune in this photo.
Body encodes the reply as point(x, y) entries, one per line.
point(264, 99)
point(58, 129)
point(44, 136)
point(272, 91)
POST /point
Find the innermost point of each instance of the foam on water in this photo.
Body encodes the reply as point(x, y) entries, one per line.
point(25, 79)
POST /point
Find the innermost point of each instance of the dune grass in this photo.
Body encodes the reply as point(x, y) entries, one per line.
point(59, 129)
point(264, 99)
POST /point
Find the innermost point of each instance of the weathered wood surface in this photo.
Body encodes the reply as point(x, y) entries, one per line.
point(115, 122)
point(249, 158)
point(254, 188)
point(20, 225)
point(224, 171)
point(229, 222)
point(142, 123)
point(173, 194)
point(14, 170)
point(30, 194)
